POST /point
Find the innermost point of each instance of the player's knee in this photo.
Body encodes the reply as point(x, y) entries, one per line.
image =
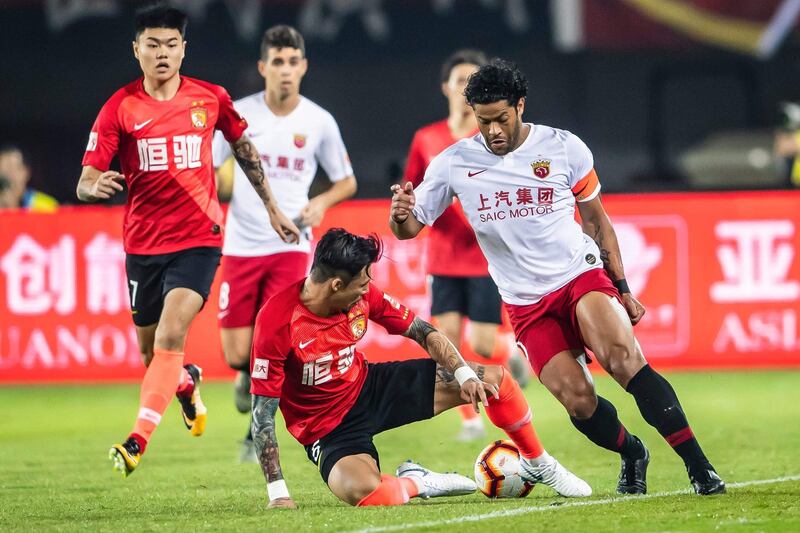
point(579, 399)
point(146, 355)
point(170, 337)
point(356, 490)
point(622, 360)
point(237, 359)
point(482, 347)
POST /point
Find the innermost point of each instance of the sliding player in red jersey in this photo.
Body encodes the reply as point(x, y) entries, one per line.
point(161, 126)
point(460, 286)
point(305, 359)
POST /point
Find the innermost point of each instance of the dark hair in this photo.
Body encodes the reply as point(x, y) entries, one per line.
point(499, 80)
point(341, 254)
point(467, 56)
point(160, 16)
point(282, 36)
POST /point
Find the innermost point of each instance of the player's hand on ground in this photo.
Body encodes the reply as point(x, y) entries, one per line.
point(475, 390)
point(312, 213)
point(282, 503)
point(634, 308)
point(285, 227)
point(107, 185)
point(403, 201)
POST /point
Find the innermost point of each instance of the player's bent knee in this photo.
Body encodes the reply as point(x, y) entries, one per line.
point(582, 406)
point(354, 490)
point(170, 338)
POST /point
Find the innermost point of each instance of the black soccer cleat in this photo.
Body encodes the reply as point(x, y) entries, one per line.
point(705, 480)
point(633, 474)
point(193, 410)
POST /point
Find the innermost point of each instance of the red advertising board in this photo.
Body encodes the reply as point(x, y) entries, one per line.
point(718, 273)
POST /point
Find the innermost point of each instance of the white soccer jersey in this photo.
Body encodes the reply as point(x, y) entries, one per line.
point(291, 147)
point(521, 206)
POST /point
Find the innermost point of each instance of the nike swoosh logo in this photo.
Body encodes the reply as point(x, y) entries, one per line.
point(304, 344)
point(223, 314)
point(471, 174)
point(137, 127)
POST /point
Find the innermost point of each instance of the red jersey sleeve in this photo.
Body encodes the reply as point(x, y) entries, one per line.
point(415, 163)
point(104, 137)
point(230, 122)
point(271, 347)
point(388, 312)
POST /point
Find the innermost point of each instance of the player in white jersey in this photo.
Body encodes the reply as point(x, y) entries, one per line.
point(519, 184)
point(293, 135)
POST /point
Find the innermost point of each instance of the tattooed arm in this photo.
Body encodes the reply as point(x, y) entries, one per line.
point(266, 442)
point(597, 225)
point(249, 161)
point(451, 367)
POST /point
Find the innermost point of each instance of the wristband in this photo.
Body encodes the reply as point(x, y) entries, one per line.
point(622, 286)
point(277, 489)
point(464, 373)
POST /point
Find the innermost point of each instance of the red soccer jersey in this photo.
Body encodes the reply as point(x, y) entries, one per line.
point(164, 150)
point(311, 363)
point(452, 247)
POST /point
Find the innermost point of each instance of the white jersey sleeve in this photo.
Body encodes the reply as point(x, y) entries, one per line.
point(582, 176)
point(434, 194)
point(332, 154)
point(220, 149)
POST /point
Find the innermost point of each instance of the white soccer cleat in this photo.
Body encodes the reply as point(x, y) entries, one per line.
point(433, 484)
point(555, 476)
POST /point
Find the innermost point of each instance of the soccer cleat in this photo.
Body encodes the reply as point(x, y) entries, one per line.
point(470, 433)
point(705, 480)
point(125, 456)
point(555, 476)
point(633, 473)
point(247, 453)
point(193, 410)
point(241, 392)
point(433, 484)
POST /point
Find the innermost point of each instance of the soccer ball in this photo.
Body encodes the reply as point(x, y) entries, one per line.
point(497, 471)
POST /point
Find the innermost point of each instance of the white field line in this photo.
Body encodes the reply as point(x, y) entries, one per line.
point(569, 504)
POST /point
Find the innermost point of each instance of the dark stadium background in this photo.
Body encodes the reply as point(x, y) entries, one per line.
point(621, 102)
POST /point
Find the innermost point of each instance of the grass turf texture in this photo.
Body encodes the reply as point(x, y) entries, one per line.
point(54, 473)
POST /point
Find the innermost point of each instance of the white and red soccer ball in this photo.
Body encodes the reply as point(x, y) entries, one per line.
point(497, 471)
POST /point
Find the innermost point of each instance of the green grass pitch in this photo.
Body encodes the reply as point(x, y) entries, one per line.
point(54, 474)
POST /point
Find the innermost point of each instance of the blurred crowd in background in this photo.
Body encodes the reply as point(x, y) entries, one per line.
point(669, 94)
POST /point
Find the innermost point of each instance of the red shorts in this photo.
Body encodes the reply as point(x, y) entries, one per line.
point(550, 325)
point(248, 282)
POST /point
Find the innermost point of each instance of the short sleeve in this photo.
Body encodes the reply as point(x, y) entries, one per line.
point(388, 312)
point(230, 122)
point(270, 350)
point(582, 177)
point(220, 149)
point(434, 194)
point(332, 154)
point(415, 162)
point(103, 138)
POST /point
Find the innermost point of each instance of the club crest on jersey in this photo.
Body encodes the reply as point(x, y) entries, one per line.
point(299, 140)
point(358, 326)
point(541, 168)
point(199, 117)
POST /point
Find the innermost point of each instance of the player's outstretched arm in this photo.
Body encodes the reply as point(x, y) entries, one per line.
point(445, 354)
point(597, 225)
point(263, 430)
point(95, 184)
point(402, 221)
point(247, 156)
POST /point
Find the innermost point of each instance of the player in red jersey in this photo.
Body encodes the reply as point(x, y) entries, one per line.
point(305, 358)
point(460, 283)
point(160, 126)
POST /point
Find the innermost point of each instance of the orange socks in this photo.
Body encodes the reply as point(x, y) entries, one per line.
point(391, 491)
point(512, 414)
point(158, 386)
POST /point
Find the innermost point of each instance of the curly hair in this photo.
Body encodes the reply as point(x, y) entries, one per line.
point(499, 80)
point(342, 254)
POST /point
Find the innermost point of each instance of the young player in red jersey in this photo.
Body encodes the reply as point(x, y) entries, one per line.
point(305, 359)
point(160, 126)
point(460, 283)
